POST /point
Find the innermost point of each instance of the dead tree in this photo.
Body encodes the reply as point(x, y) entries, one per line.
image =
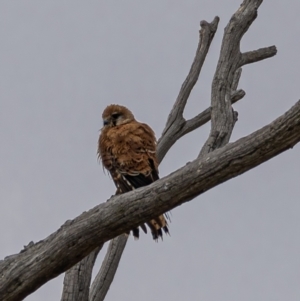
point(75, 246)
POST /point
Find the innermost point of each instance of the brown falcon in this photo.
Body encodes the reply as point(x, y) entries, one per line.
point(127, 149)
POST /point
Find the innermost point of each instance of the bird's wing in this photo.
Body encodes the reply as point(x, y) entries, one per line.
point(128, 151)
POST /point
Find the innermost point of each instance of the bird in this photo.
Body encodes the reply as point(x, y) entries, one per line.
point(127, 149)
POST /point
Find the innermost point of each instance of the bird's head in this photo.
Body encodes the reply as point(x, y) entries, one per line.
point(114, 115)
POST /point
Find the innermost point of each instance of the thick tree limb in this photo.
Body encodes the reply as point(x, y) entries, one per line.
point(78, 285)
point(78, 279)
point(23, 273)
point(177, 127)
point(235, 81)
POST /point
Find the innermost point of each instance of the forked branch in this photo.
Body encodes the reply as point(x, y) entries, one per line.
point(176, 126)
point(172, 131)
point(225, 80)
point(23, 273)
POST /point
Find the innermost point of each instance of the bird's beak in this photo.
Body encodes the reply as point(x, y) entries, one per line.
point(105, 122)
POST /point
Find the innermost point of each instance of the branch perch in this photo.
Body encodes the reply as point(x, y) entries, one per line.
point(175, 128)
point(25, 272)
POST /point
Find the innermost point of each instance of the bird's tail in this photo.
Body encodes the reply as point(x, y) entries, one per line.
point(136, 231)
point(157, 226)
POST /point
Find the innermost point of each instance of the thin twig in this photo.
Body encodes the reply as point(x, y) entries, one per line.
point(175, 120)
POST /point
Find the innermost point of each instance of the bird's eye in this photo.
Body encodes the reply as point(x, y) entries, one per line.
point(116, 115)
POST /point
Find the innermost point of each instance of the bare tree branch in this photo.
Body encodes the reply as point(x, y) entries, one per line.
point(27, 271)
point(175, 120)
point(78, 279)
point(257, 55)
point(225, 79)
point(202, 118)
point(108, 269)
point(224, 93)
point(237, 95)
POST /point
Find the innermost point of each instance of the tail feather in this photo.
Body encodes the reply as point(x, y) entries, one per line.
point(153, 229)
point(160, 222)
point(144, 228)
point(126, 182)
point(167, 215)
point(136, 233)
point(166, 230)
point(156, 226)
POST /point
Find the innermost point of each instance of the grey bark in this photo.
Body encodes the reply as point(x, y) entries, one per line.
point(78, 279)
point(172, 131)
point(223, 117)
point(23, 273)
point(108, 269)
point(175, 128)
point(229, 74)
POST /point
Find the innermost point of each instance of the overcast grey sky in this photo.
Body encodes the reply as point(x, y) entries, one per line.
point(62, 62)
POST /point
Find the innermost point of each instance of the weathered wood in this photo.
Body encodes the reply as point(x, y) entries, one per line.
point(18, 273)
point(77, 280)
point(108, 269)
point(257, 55)
point(25, 272)
point(223, 117)
point(175, 122)
point(176, 126)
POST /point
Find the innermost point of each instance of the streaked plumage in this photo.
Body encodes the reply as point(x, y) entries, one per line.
point(127, 149)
